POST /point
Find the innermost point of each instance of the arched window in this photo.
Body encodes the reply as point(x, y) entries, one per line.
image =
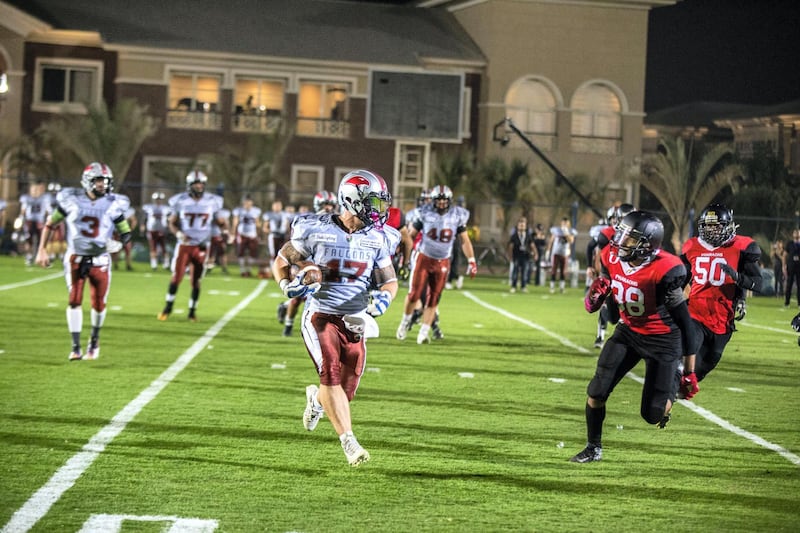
point(531, 104)
point(596, 119)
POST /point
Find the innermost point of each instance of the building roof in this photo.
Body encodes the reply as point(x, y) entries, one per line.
point(783, 109)
point(326, 30)
point(699, 114)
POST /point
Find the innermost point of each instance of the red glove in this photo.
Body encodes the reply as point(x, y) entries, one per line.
point(597, 293)
point(472, 267)
point(689, 386)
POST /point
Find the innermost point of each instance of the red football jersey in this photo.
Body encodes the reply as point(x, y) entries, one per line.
point(394, 218)
point(640, 291)
point(712, 291)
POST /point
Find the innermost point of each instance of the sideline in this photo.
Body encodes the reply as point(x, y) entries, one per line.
point(708, 415)
point(43, 499)
point(34, 281)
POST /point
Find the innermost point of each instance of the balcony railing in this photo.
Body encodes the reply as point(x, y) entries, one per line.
point(323, 127)
point(257, 123)
point(194, 120)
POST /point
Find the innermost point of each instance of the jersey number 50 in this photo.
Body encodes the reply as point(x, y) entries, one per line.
point(707, 270)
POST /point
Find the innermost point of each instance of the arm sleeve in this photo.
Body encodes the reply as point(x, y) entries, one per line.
point(680, 314)
point(749, 273)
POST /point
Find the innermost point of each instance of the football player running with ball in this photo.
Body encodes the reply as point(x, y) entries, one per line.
point(91, 215)
point(722, 265)
point(647, 285)
point(350, 249)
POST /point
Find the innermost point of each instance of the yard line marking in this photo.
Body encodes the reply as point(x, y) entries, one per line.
point(43, 499)
point(31, 281)
point(705, 413)
point(787, 331)
point(563, 340)
point(736, 430)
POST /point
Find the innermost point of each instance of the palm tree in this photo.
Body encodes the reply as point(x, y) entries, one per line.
point(251, 167)
point(504, 182)
point(684, 179)
point(111, 136)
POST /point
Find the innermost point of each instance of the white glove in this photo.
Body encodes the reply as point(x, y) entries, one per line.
point(295, 288)
point(380, 302)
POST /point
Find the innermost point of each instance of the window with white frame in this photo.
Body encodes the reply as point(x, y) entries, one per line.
point(193, 100)
point(67, 85)
point(306, 180)
point(596, 120)
point(258, 103)
point(323, 109)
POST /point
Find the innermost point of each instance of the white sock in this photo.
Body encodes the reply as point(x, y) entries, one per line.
point(344, 436)
point(75, 319)
point(98, 318)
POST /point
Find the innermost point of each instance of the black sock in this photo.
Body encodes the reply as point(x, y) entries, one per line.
point(594, 424)
point(76, 341)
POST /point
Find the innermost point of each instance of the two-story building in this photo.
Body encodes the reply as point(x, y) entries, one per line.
point(372, 85)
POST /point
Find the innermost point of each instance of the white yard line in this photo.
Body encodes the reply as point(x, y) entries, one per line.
point(33, 281)
point(708, 415)
point(40, 503)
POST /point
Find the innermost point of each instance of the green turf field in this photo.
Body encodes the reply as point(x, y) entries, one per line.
point(198, 425)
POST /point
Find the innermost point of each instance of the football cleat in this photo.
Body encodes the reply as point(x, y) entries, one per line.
point(665, 420)
point(355, 453)
point(437, 333)
point(598, 342)
point(423, 338)
point(287, 330)
point(75, 355)
point(192, 316)
point(402, 329)
point(282, 308)
point(162, 316)
point(92, 351)
point(589, 454)
point(313, 414)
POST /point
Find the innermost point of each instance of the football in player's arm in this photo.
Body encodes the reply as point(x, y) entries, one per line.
point(350, 250)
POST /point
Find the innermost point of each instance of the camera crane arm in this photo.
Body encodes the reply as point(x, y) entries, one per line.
point(560, 177)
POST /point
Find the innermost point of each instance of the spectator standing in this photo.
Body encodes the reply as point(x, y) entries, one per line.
point(777, 267)
point(791, 267)
point(521, 250)
point(540, 241)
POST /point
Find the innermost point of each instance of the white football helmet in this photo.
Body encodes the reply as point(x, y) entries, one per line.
point(196, 176)
point(365, 195)
point(93, 172)
point(323, 199)
point(441, 192)
point(158, 196)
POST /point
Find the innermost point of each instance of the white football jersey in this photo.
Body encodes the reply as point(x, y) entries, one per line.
point(34, 209)
point(438, 231)
point(196, 216)
point(561, 244)
point(157, 217)
point(346, 259)
point(247, 221)
point(90, 223)
point(223, 214)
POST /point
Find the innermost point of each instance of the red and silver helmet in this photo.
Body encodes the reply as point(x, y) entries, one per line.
point(365, 195)
point(323, 199)
point(97, 171)
point(441, 192)
point(196, 176)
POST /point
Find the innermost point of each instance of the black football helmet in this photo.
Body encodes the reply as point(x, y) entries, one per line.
point(715, 225)
point(638, 235)
point(796, 323)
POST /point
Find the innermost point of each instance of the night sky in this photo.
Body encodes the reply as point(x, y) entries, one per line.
point(735, 51)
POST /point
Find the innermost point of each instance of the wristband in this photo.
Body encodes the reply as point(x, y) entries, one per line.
point(471, 260)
